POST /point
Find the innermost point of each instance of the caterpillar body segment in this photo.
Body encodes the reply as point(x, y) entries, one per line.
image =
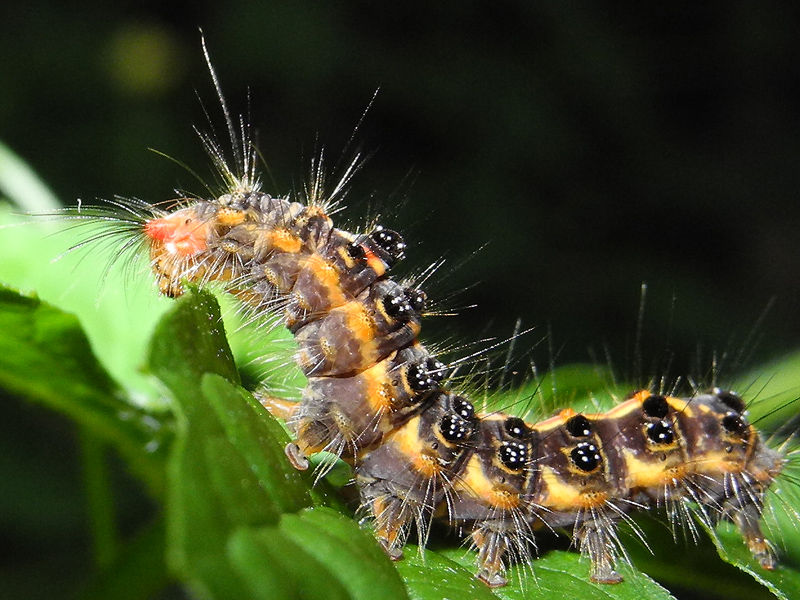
point(377, 398)
point(494, 494)
point(405, 480)
point(358, 334)
point(348, 415)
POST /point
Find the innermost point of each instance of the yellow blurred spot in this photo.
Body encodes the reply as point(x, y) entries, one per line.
point(145, 60)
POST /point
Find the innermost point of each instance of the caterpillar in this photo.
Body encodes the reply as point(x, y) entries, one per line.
point(376, 398)
point(379, 399)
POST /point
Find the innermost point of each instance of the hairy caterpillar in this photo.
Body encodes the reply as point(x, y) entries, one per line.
point(378, 398)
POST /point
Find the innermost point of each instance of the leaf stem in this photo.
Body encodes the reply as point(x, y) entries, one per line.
point(99, 498)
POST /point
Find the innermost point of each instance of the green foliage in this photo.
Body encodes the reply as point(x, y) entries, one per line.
point(233, 519)
point(46, 357)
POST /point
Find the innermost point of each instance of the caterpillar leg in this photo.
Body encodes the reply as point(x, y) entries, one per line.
point(397, 497)
point(318, 426)
point(392, 519)
point(404, 480)
point(747, 521)
point(285, 410)
point(278, 407)
point(296, 456)
point(492, 546)
point(597, 541)
point(490, 492)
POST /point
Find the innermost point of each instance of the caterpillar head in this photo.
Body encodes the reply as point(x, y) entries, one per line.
point(181, 245)
point(206, 240)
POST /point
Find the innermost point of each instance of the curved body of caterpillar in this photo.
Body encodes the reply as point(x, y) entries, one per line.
point(376, 398)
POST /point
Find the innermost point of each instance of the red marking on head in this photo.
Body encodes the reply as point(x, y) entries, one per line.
point(158, 229)
point(179, 233)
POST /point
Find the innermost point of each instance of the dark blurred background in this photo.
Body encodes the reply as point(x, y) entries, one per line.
point(570, 151)
point(584, 149)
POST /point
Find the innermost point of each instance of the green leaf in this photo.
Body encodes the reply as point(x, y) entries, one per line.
point(450, 573)
point(45, 357)
point(350, 553)
point(685, 563)
point(316, 553)
point(565, 574)
point(223, 474)
point(784, 581)
point(189, 342)
point(21, 185)
point(433, 576)
point(773, 392)
point(273, 567)
point(117, 309)
point(259, 440)
point(698, 565)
